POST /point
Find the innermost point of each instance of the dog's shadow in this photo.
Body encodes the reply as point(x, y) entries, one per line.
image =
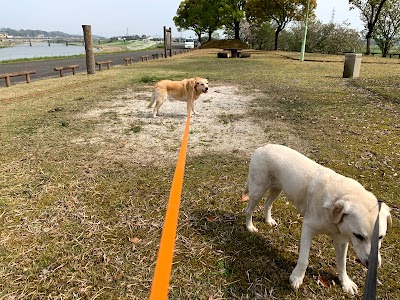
point(252, 262)
point(170, 115)
point(148, 114)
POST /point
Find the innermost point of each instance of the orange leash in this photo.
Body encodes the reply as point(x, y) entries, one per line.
point(162, 273)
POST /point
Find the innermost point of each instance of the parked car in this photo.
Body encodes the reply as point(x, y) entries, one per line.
point(189, 44)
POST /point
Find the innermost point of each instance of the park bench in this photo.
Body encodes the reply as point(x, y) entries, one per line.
point(373, 53)
point(61, 69)
point(155, 56)
point(144, 58)
point(128, 60)
point(394, 54)
point(7, 76)
point(244, 54)
point(101, 63)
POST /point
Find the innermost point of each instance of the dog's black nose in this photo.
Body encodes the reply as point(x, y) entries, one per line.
point(206, 88)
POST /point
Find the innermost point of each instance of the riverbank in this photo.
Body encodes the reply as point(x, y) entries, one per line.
point(118, 46)
point(106, 48)
point(34, 51)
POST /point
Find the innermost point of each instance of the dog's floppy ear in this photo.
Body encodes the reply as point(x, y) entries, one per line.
point(339, 210)
point(389, 221)
point(194, 82)
point(190, 83)
point(386, 210)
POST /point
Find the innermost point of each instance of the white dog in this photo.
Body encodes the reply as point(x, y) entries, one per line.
point(330, 203)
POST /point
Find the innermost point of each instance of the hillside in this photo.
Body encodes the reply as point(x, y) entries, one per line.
point(35, 32)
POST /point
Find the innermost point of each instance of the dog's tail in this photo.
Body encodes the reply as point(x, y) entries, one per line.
point(245, 195)
point(152, 99)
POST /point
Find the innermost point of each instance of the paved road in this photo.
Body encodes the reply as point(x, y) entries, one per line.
point(45, 68)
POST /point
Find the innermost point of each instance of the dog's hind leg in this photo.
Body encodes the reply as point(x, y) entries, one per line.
point(255, 194)
point(152, 99)
point(273, 194)
point(160, 98)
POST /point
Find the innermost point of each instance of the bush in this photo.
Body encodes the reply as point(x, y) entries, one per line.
point(328, 38)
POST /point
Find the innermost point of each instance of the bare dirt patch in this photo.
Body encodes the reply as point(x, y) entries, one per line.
point(222, 125)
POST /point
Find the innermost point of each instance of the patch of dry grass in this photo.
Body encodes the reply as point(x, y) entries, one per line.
point(80, 223)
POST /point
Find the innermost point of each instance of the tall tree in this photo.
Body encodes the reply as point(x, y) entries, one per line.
point(387, 28)
point(233, 15)
point(201, 16)
point(258, 36)
point(370, 11)
point(281, 12)
point(213, 14)
point(188, 18)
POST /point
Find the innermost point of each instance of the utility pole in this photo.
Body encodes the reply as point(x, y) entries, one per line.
point(303, 45)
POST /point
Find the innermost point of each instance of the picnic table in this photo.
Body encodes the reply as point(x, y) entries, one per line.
point(234, 51)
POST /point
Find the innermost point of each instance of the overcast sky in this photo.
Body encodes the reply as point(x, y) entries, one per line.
point(119, 17)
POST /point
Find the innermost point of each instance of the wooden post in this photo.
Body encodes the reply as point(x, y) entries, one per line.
point(167, 41)
point(27, 78)
point(87, 35)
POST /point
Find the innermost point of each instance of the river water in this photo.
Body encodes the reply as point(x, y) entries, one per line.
point(39, 50)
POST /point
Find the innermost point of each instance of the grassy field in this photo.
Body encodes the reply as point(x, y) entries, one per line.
point(80, 223)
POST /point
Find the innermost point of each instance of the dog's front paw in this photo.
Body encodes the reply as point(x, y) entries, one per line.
point(296, 280)
point(349, 286)
point(271, 222)
point(252, 228)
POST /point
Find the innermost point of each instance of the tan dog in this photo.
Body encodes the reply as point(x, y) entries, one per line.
point(186, 90)
point(330, 203)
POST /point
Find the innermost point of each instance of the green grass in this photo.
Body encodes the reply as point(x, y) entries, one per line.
point(69, 210)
